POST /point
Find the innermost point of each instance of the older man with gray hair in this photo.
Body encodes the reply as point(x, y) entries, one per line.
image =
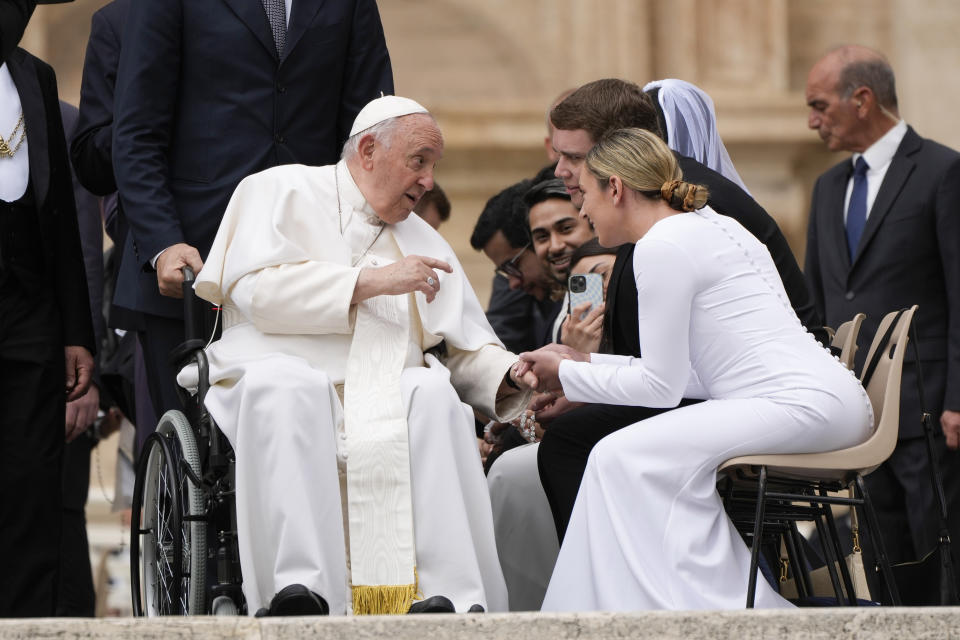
point(350, 330)
point(884, 234)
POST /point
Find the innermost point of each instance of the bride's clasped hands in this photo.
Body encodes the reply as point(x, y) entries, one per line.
point(544, 363)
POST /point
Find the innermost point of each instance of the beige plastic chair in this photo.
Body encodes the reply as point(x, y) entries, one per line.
point(843, 342)
point(807, 477)
point(845, 339)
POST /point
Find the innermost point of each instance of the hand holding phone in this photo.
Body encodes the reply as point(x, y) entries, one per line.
point(585, 287)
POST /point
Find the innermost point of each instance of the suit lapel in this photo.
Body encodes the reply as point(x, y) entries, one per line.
point(836, 193)
point(252, 14)
point(623, 256)
point(301, 16)
point(900, 169)
point(35, 120)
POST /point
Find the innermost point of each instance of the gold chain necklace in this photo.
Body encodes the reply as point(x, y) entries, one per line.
point(336, 182)
point(21, 128)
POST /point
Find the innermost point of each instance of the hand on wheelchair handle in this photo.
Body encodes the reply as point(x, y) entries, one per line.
point(170, 263)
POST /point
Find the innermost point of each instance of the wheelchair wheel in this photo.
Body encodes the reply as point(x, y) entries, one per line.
point(168, 534)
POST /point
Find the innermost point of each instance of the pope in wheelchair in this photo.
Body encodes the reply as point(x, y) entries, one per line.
point(350, 336)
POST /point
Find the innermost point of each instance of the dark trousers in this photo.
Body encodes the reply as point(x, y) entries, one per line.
point(566, 445)
point(905, 502)
point(146, 417)
point(159, 337)
point(76, 597)
point(32, 416)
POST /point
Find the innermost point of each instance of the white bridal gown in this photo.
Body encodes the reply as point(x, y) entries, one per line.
point(648, 530)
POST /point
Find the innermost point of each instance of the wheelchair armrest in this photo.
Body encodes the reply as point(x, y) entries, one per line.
point(182, 354)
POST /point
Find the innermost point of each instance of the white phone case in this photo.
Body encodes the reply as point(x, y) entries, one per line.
point(590, 289)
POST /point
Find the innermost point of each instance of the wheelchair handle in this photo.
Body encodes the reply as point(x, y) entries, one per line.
point(189, 303)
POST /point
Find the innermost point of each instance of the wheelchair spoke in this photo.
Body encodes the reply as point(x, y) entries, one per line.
point(176, 516)
point(165, 543)
point(186, 548)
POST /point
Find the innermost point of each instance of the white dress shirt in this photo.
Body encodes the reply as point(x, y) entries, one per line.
point(15, 171)
point(878, 157)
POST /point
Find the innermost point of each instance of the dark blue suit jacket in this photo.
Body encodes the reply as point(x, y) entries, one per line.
point(91, 233)
point(909, 254)
point(91, 149)
point(92, 143)
point(203, 100)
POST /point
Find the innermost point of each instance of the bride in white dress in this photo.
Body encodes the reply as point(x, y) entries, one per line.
point(648, 530)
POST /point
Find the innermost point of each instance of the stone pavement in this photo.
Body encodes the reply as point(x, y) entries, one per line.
point(807, 624)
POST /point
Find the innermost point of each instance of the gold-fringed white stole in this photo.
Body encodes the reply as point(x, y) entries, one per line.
point(379, 499)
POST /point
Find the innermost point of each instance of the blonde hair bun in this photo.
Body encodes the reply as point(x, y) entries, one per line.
point(684, 196)
point(646, 165)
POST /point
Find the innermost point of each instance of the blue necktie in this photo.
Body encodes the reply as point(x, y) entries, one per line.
point(857, 210)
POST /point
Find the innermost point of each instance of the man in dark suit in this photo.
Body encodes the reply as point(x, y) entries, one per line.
point(45, 322)
point(884, 234)
point(92, 144)
point(579, 121)
point(208, 93)
point(92, 154)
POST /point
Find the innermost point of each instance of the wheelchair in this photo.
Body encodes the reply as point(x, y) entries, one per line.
point(184, 558)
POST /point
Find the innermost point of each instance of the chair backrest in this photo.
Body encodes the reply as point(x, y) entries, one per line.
point(884, 386)
point(845, 339)
point(830, 333)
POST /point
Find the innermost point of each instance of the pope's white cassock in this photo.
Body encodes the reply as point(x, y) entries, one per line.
point(305, 385)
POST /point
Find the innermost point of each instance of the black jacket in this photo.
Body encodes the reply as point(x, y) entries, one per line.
point(53, 193)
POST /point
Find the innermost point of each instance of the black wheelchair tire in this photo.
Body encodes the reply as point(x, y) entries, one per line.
point(168, 533)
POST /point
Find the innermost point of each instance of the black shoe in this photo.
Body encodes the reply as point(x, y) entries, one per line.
point(297, 600)
point(433, 604)
point(476, 608)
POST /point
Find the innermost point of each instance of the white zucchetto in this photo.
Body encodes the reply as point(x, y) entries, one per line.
point(384, 108)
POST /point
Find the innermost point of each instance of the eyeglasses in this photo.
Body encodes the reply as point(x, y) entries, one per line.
point(509, 269)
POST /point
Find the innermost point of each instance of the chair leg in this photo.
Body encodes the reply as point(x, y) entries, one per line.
point(880, 552)
point(838, 551)
point(757, 533)
point(830, 555)
point(798, 560)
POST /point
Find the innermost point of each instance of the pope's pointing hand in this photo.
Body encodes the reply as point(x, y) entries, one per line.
point(413, 273)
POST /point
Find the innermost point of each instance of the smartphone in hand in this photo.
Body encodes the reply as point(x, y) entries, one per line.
point(585, 287)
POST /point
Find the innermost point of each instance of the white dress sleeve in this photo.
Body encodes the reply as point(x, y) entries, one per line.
point(667, 282)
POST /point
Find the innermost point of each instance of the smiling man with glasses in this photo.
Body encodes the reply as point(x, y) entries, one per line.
point(520, 308)
point(503, 236)
point(509, 269)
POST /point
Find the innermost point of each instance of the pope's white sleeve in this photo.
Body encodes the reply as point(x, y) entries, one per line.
point(666, 285)
point(306, 298)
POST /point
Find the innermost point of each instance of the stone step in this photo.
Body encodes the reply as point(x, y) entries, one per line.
point(933, 623)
